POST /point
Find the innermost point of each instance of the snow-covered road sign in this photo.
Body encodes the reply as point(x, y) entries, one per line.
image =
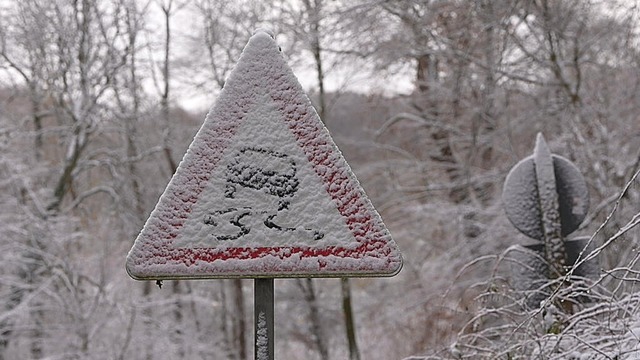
point(522, 193)
point(263, 191)
point(546, 197)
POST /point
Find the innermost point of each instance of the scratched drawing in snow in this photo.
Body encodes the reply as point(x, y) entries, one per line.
point(264, 192)
point(269, 172)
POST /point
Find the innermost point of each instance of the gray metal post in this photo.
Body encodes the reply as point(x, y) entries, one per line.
point(264, 323)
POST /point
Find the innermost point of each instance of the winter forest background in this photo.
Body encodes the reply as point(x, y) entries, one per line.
point(431, 102)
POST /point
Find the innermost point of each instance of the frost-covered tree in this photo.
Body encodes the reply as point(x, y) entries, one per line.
point(488, 75)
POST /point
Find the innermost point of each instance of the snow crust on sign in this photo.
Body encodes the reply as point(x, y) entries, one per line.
point(308, 215)
point(573, 194)
point(253, 215)
point(520, 196)
point(529, 272)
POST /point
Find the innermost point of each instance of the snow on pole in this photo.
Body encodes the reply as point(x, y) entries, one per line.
point(549, 208)
point(264, 319)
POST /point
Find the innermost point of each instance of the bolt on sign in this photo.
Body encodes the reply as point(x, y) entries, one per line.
point(263, 191)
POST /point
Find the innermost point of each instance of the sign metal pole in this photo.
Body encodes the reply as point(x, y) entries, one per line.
point(264, 323)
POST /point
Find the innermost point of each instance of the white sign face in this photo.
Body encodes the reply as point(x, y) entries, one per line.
point(263, 191)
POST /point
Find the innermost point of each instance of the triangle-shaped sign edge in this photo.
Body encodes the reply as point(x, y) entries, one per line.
point(262, 66)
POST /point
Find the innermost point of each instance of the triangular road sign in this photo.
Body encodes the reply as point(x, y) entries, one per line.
point(263, 191)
